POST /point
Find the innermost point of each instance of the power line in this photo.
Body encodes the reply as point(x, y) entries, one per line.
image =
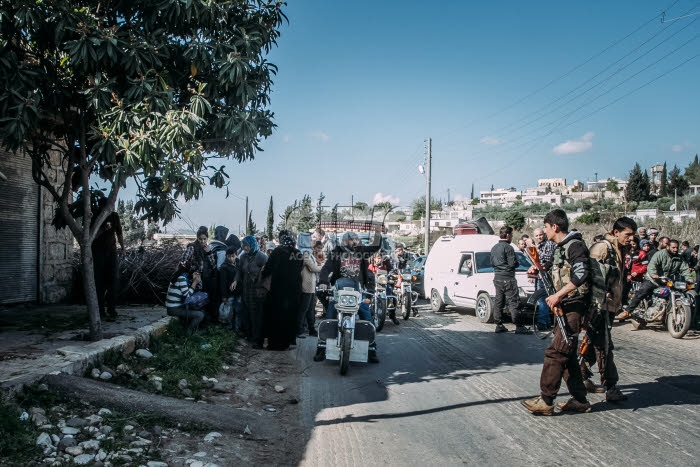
point(569, 72)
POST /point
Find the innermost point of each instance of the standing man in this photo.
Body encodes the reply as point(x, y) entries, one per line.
point(611, 251)
point(545, 250)
point(106, 259)
point(570, 276)
point(504, 263)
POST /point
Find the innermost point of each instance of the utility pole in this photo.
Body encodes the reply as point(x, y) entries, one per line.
point(429, 158)
point(246, 216)
point(448, 196)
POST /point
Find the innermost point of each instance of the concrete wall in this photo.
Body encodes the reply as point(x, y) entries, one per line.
point(56, 247)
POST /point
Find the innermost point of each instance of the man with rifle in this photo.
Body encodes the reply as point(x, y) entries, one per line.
point(570, 301)
point(607, 301)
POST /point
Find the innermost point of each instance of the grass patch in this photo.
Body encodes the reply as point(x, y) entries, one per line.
point(177, 356)
point(17, 437)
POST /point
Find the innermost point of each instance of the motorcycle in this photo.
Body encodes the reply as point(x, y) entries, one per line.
point(402, 289)
point(379, 300)
point(347, 338)
point(671, 303)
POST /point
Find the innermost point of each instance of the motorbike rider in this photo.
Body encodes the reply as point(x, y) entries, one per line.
point(346, 266)
point(665, 263)
point(382, 263)
point(400, 259)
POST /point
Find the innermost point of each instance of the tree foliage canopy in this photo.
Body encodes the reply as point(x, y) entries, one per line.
point(418, 207)
point(638, 185)
point(515, 219)
point(676, 182)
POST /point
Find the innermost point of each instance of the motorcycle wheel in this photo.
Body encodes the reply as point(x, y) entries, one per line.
point(380, 315)
point(345, 351)
point(414, 298)
point(680, 326)
point(638, 324)
point(406, 306)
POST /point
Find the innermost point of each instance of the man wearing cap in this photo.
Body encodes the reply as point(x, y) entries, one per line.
point(653, 237)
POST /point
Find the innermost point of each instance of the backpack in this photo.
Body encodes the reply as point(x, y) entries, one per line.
point(602, 275)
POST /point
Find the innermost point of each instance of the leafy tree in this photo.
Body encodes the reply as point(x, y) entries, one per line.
point(151, 91)
point(361, 207)
point(475, 201)
point(612, 186)
point(589, 217)
point(664, 204)
point(663, 184)
point(384, 206)
point(270, 221)
point(638, 185)
point(298, 217)
point(692, 172)
point(515, 219)
point(676, 182)
point(251, 229)
point(132, 226)
point(152, 229)
point(319, 208)
point(418, 207)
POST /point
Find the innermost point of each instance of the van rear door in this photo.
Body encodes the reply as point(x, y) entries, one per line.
point(464, 283)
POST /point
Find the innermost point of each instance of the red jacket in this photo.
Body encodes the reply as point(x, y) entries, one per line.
point(639, 265)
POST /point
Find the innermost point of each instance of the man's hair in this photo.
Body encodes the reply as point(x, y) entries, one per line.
point(321, 232)
point(598, 238)
point(231, 251)
point(625, 223)
point(686, 243)
point(673, 241)
point(524, 236)
point(318, 243)
point(557, 217)
point(661, 239)
point(505, 231)
point(696, 247)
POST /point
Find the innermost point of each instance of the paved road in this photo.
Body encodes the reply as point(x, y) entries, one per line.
point(448, 392)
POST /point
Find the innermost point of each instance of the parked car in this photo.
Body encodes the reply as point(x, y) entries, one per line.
point(417, 269)
point(458, 272)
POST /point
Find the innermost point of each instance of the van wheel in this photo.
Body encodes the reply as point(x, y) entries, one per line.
point(436, 302)
point(484, 308)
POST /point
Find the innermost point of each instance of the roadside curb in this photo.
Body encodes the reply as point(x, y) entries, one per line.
point(76, 359)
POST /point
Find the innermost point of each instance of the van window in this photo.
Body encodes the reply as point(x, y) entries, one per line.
point(483, 262)
point(466, 265)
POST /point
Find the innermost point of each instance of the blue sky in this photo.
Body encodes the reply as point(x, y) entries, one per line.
point(362, 84)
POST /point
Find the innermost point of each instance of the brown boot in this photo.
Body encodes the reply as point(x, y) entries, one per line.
point(538, 406)
point(624, 314)
point(572, 405)
point(592, 388)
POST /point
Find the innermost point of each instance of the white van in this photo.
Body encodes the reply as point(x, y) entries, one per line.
point(458, 272)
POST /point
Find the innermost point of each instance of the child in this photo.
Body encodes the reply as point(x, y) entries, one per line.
point(229, 294)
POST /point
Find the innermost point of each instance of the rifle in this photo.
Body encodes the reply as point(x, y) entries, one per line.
point(534, 258)
point(585, 343)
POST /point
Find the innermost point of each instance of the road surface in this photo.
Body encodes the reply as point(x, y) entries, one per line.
point(448, 392)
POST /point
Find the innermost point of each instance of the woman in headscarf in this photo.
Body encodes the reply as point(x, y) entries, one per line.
point(248, 278)
point(283, 269)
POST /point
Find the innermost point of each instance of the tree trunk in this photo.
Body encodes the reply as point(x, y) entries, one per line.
point(90, 291)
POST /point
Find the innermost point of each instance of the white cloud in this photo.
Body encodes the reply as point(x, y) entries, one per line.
point(682, 147)
point(382, 198)
point(583, 144)
point(490, 140)
point(458, 197)
point(321, 136)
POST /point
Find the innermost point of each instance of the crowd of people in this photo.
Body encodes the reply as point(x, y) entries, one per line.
point(631, 260)
point(270, 297)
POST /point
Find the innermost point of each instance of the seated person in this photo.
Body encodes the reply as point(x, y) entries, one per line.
point(179, 289)
point(400, 257)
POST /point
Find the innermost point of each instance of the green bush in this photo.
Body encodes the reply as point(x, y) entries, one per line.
point(515, 219)
point(590, 217)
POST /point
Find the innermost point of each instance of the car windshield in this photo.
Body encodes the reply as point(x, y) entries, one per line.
point(483, 262)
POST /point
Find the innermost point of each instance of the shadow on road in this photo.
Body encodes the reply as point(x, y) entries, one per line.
point(665, 390)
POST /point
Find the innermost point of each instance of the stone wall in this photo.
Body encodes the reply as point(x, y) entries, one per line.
point(56, 254)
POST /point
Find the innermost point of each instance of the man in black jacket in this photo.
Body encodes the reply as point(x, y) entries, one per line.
point(504, 263)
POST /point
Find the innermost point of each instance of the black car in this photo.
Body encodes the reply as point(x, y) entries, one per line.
point(417, 268)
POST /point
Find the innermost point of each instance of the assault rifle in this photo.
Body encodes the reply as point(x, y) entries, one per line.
point(534, 258)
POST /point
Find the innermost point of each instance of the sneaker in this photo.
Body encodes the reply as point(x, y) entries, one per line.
point(301, 336)
point(614, 395)
point(538, 406)
point(395, 320)
point(520, 329)
point(501, 328)
point(320, 355)
point(572, 405)
point(625, 314)
point(592, 388)
point(372, 357)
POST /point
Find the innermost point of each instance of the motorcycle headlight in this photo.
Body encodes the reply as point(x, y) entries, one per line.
point(406, 277)
point(348, 301)
point(689, 286)
point(680, 285)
